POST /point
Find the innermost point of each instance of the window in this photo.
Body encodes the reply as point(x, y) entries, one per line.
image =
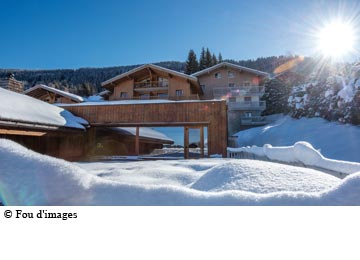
point(179, 92)
point(124, 95)
point(163, 82)
point(246, 83)
point(203, 87)
point(162, 95)
point(247, 99)
point(231, 85)
point(247, 114)
point(218, 75)
point(145, 96)
point(232, 99)
point(230, 74)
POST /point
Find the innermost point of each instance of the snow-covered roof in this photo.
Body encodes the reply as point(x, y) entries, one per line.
point(134, 102)
point(18, 108)
point(71, 96)
point(104, 93)
point(234, 66)
point(143, 132)
point(152, 66)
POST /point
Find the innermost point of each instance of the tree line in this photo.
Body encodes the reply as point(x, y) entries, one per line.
point(207, 59)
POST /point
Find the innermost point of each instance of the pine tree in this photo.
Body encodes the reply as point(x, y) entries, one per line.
point(214, 60)
point(220, 59)
point(276, 96)
point(192, 64)
point(208, 58)
point(202, 62)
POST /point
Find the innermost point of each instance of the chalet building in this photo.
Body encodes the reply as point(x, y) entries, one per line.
point(52, 95)
point(54, 131)
point(241, 87)
point(153, 82)
point(41, 127)
point(12, 84)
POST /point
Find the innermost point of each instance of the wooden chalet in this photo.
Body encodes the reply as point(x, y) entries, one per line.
point(153, 82)
point(42, 127)
point(52, 95)
point(12, 84)
point(241, 87)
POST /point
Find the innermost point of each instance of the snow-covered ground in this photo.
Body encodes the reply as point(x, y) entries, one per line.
point(29, 178)
point(334, 140)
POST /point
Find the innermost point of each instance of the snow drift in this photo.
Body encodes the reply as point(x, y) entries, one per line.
point(28, 178)
point(300, 152)
point(334, 140)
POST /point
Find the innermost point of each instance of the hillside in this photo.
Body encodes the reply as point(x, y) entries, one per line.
point(87, 81)
point(77, 79)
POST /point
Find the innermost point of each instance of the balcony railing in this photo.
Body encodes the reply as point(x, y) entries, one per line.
point(238, 91)
point(167, 97)
point(191, 97)
point(253, 120)
point(151, 84)
point(256, 105)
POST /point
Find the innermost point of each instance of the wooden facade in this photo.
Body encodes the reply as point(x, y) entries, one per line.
point(12, 84)
point(52, 95)
point(153, 82)
point(212, 114)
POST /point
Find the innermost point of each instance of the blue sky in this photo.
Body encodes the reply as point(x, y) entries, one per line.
point(93, 33)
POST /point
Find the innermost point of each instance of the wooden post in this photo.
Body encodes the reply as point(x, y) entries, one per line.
point(137, 150)
point(201, 141)
point(186, 142)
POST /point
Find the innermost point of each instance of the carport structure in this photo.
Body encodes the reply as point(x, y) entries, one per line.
point(152, 113)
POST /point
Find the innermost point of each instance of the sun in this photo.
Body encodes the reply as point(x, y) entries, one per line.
point(336, 39)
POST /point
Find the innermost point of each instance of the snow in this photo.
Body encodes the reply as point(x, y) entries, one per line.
point(96, 98)
point(347, 92)
point(334, 140)
point(57, 91)
point(301, 152)
point(143, 132)
point(34, 111)
point(29, 178)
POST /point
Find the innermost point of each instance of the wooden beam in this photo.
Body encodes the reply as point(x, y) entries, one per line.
point(21, 132)
point(150, 72)
point(201, 141)
point(186, 142)
point(137, 142)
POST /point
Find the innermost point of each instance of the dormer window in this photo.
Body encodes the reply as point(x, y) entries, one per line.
point(218, 75)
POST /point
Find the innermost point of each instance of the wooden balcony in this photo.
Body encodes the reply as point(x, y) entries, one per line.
point(150, 86)
point(166, 97)
point(239, 91)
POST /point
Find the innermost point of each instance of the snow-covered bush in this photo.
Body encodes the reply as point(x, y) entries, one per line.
point(335, 98)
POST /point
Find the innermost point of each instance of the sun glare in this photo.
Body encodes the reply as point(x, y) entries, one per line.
point(336, 39)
